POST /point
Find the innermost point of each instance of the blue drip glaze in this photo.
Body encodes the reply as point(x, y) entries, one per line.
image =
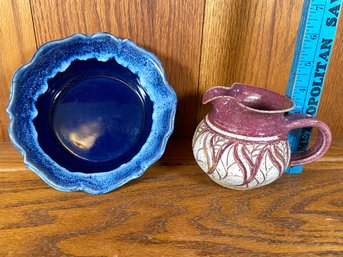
point(31, 82)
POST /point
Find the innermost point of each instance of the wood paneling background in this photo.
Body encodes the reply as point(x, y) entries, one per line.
point(249, 42)
point(17, 45)
point(200, 43)
point(171, 29)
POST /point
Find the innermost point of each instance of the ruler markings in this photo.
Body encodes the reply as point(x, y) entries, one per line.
point(314, 57)
point(316, 32)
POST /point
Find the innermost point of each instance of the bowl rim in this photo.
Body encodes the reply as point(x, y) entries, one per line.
point(25, 92)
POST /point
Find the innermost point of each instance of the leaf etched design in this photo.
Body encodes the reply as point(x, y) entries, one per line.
point(237, 163)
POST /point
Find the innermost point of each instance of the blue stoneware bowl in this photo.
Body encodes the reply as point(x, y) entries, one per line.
point(91, 112)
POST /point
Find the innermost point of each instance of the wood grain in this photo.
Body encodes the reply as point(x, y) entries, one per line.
point(201, 44)
point(174, 210)
point(249, 42)
point(331, 102)
point(170, 29)
point(18, 44)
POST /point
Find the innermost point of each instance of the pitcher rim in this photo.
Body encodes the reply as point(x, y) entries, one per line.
point(284, 110)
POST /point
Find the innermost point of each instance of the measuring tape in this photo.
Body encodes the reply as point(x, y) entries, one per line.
point(312, 51)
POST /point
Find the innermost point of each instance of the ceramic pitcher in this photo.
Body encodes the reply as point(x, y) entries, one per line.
point(242, 142)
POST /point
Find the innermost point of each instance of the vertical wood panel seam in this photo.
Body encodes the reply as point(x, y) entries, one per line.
point(33, 22)
point(272, 32)
point(197, 94)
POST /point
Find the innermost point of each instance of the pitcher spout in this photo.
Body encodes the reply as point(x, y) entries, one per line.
point(254, 99)
point(216, 93)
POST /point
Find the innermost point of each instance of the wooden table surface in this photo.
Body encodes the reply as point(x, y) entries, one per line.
point(174, 210)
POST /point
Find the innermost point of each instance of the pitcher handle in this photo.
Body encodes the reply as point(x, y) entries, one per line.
point(322, 144)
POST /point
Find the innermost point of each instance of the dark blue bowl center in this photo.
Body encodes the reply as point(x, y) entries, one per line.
point(98, 118)
point(94, 117)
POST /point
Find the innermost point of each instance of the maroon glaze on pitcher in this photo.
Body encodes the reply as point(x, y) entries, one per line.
point(242, 142)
